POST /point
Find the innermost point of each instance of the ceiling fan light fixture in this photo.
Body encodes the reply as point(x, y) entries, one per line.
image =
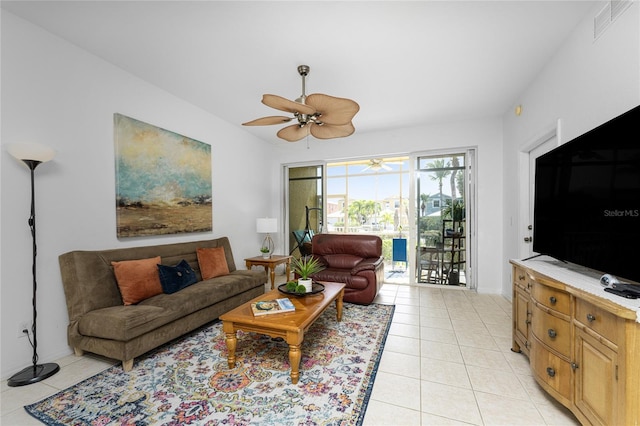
point(331, 115)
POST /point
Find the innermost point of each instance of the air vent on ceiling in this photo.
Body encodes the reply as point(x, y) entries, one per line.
point(609, 13)
point(619, 6)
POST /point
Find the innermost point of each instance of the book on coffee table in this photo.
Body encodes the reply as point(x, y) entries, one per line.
point(274, 306)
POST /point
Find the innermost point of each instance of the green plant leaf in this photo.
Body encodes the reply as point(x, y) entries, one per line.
point(306, 266)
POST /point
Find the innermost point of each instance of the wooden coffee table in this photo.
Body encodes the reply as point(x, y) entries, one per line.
point(291, 326)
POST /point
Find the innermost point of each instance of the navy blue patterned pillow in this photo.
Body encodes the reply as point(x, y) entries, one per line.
point(175, 278)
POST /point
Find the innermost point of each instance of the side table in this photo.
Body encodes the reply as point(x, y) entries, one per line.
point(270, 264)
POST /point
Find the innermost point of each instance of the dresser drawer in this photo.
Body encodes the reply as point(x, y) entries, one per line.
point(599, 320)
point(552, 298)
point(552, 331)
point(521, 278)
point(551, 369)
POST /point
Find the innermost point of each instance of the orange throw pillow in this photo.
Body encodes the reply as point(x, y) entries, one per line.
point(137, 279)
point(212, 261)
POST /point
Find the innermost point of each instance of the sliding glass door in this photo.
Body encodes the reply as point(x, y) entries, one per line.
point(443, 239)
point(305, 201)
point(421, 207)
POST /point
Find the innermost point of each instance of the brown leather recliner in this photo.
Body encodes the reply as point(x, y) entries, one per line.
point(355, 260)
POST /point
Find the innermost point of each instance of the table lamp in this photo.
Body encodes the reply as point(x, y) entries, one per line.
point(267, 225)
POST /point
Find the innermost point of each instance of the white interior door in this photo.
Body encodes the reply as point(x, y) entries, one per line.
point(545, 145)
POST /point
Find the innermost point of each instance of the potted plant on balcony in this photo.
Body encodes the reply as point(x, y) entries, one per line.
point(304, 267)
point(455, 211)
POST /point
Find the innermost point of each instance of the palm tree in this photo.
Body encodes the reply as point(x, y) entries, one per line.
point(424, 199)
point(438, 172)
point(361, 210)
point(387, 218)
point(455, 163)
point(457, 182)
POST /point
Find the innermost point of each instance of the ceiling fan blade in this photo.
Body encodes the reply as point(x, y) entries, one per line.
point(333, 110)
point(283, 104)
point(266, 121)
point(293, 133)
point(327, 131)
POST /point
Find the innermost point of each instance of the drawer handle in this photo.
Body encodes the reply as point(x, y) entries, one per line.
point(553, 300)
point(521, 277)
point(551, 372)
point(552, 333)
point(591, 318)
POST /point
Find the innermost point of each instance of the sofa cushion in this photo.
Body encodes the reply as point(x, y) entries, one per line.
point(342, 261)
point(123, 323)
point(364, 246)
point(342, 276)
point(208, 292)
point(175, 278)
point(212, 261)
point(137, 279)
point(370, 264)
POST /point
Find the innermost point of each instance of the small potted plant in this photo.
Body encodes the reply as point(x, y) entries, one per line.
point(265, 252)
point(305, 267)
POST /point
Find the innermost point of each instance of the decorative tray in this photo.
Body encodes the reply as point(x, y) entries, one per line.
point(316, 287)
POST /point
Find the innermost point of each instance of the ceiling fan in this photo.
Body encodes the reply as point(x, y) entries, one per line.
point(376, 164)
point(322, 116)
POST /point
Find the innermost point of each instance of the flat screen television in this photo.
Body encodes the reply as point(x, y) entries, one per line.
point(587, 199)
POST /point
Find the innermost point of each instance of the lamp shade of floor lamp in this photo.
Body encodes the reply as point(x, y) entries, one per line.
point(32, 155)
point(267, 225)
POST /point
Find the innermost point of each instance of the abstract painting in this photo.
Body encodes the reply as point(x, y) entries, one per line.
point(163, 181)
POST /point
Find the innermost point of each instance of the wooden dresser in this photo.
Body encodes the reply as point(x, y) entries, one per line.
point(583, 344)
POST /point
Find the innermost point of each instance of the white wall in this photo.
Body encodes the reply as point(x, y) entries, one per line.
point(584, 85)
point(56, 94)
point(484, 135)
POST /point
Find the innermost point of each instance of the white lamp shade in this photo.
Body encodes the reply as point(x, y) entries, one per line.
point(266, 225)
point(31, 151)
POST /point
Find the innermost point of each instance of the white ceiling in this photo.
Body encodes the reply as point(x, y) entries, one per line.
point(405, 63)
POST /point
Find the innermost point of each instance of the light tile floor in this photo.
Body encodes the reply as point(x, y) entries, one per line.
point(447, 361)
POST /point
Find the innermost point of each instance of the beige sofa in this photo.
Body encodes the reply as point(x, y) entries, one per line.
point(100, 323)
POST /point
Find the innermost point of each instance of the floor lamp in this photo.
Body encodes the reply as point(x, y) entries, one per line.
point(32, 155)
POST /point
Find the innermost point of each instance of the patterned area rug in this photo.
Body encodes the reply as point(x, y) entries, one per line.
point(188, 381)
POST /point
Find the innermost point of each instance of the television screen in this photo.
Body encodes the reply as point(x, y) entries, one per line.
point(587, 199)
